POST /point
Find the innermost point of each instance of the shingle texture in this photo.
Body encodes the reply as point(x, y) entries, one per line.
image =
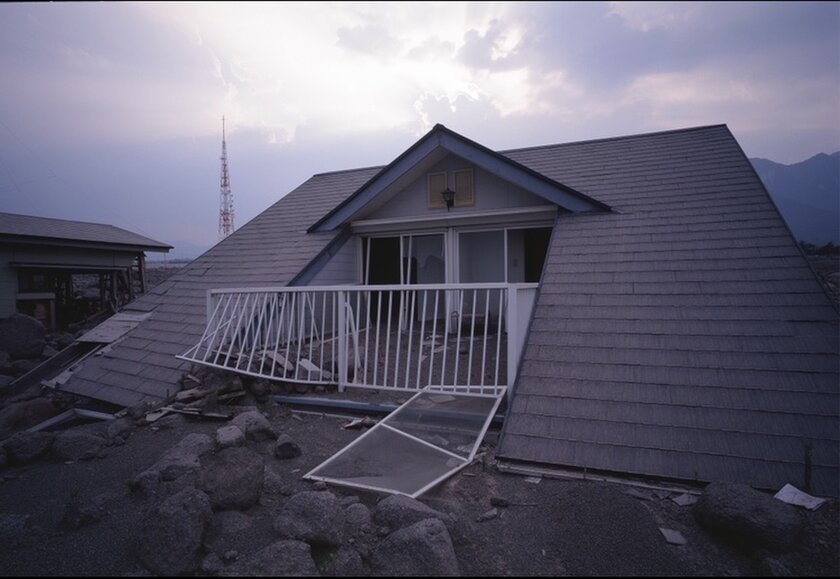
point(682, 335)
point(25, 226)
point(268, 251)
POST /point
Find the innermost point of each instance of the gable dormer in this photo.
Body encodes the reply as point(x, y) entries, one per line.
point(405, 187)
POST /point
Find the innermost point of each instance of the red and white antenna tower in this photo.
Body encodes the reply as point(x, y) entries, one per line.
point(226, 226)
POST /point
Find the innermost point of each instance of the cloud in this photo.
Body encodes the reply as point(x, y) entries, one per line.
point(369, 39)
point(497, 49)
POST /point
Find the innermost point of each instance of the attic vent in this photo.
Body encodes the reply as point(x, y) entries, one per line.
point(464, 192)
point(437, 183)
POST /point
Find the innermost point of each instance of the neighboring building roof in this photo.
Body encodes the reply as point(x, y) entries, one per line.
point(680, 335)
point(27, 228)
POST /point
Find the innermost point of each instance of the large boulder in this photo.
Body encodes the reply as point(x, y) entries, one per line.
point(280, 559)
point(25, 447)
point(255, 425)
point(184, 457)
point(311, 516)
point(423, 548)
point(229, 436)
point(22, 336)
point(748, 518)
point(398, 511)
point(234, 480)
point(172, 534)
point(77, 444)
point(80, 512)
point(26, 413)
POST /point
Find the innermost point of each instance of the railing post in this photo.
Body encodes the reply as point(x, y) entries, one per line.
point(209, 305)
point(512, 336)
point(342, 340)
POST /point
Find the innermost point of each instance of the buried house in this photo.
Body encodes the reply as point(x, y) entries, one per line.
point(44, 263)
point(638, 301)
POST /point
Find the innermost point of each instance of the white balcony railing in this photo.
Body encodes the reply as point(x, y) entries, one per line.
point(462, 337)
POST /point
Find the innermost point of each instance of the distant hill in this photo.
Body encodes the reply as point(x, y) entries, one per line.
point(807, 194)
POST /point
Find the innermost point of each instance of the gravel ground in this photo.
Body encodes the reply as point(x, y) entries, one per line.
point(552, 527)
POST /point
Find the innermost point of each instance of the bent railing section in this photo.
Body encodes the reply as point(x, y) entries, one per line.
point(464, 337)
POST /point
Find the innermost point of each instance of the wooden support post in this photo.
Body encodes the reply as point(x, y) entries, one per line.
point(141, 267)
point(114, 299)
point(102, 299)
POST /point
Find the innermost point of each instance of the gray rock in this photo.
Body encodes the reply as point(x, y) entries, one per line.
point(358, 516)
point(273, 483)
point(488, 515)
point(184, 457)
point(748, 517)
point(280, 559)
point(314, 517)
point(234, 480)
point(25, 413)
point(22, 336)
point(172, 535)
point(230, 523)
point(3, 458)
point(255, 425)
point(358, 528)
point(4, 379)
point(423, 548)
point(119, 428)
point(398, 511)
point(211, 565)
point(25, 447)
point(147, 482)
point(771, 567)
point(76, 444)
point(4, 358)
point(229, 436)
point(48, 352)
point(80, 512)
point(286, 448)
point(346, 563)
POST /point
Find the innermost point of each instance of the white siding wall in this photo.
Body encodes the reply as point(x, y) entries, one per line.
point(490, 193)
point(342, 269)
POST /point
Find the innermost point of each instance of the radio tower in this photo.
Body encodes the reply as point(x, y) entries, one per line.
point(225, 197)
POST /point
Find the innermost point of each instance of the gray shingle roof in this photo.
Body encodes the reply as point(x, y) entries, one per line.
point(269, 250)
point(682, 335)
point(26, 226)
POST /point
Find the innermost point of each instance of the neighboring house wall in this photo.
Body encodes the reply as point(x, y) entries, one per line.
point(490, 193)
point(77, 260)
point(8, 283)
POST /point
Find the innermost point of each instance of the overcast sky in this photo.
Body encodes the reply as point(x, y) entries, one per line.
point(112, 112)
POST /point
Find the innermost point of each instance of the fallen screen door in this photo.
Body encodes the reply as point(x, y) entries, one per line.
point(423, 442)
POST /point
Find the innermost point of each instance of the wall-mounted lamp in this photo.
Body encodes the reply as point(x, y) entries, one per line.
point(448, 197)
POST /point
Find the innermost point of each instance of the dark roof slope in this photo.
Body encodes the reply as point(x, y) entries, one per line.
point(683, 335)
point(44, 228)
point(270, 250)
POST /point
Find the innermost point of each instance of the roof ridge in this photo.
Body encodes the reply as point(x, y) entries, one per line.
point(64, 220)
point(619, 138)
point(369, 168)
